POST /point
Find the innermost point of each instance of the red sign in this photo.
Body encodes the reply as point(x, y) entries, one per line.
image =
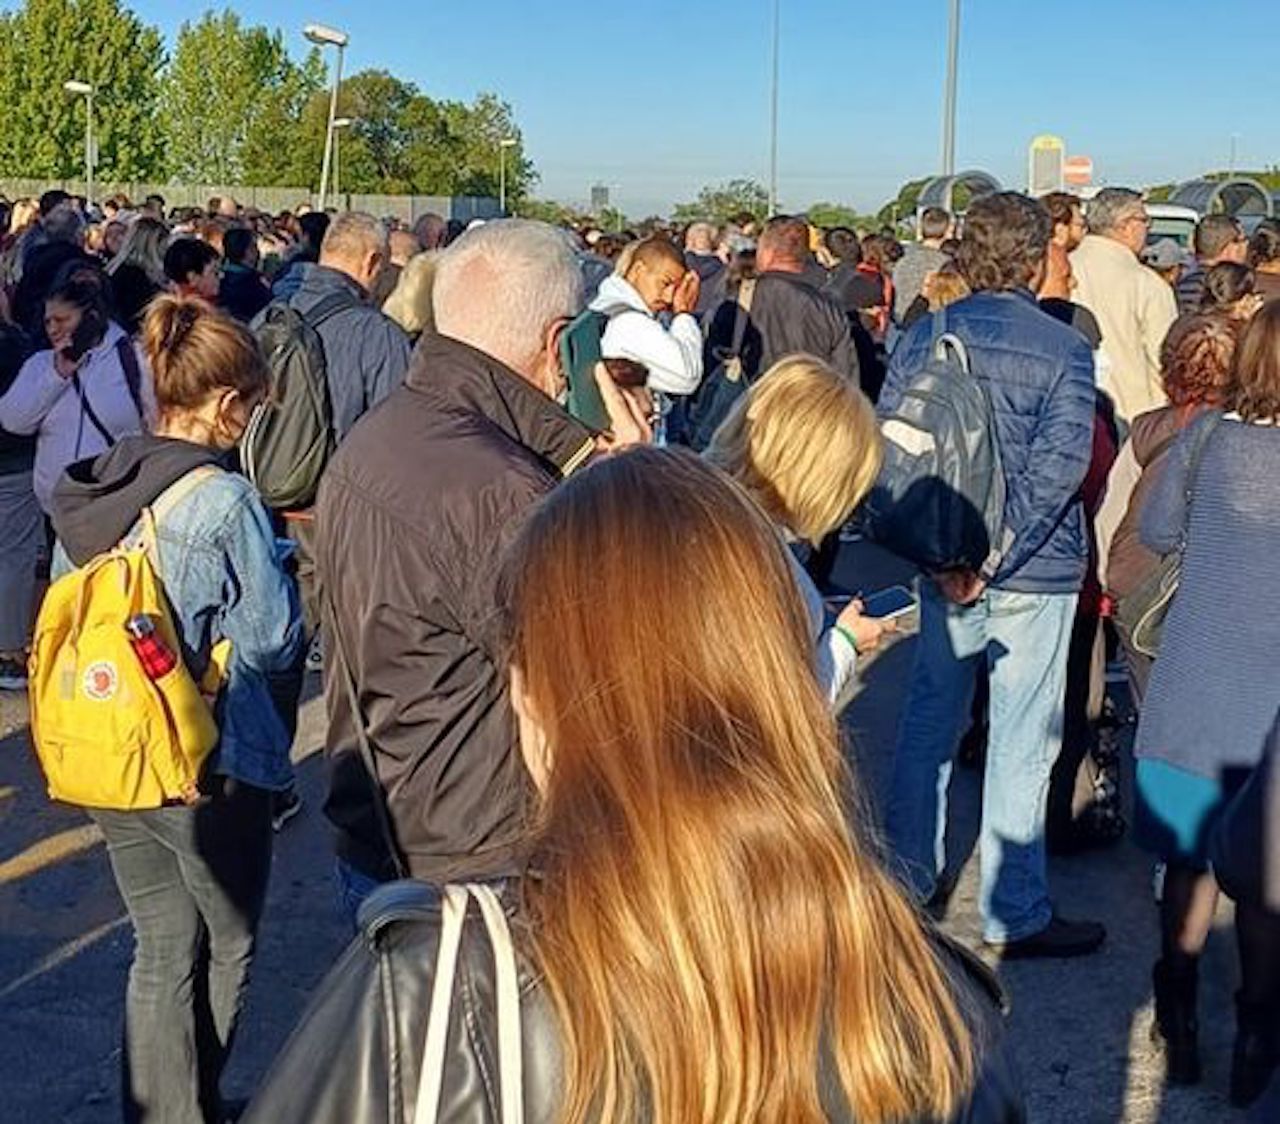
point(1078, 170)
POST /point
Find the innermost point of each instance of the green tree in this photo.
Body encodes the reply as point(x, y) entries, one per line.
point(721, 203)
point(904, 206)
point(836, 214)
point(224, 81)
point(47, 42)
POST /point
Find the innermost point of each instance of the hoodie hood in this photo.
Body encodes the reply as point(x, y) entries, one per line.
point(618, 295)
point(98, 501)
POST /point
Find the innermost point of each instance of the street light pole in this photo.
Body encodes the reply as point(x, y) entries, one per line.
point(328, 36)
point(339, 124)
point(503, 145)
point(949, 95)
point(85, 89)
point(773, 114)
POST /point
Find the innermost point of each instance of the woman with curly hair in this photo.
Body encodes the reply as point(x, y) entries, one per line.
point(1196, 364)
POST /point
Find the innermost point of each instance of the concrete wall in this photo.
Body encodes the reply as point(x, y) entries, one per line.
point(270, 199)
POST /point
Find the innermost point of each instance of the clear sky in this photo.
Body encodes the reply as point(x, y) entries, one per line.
point(658, 97)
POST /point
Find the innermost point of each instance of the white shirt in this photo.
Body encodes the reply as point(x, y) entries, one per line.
point(673, 357)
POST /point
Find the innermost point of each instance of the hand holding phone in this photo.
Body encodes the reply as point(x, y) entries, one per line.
point(867, 632)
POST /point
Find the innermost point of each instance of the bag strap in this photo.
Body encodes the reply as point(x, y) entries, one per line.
point(163, 505)
point(132, 376)
point(507, 986)
point(507, 991)
point(1198, 444)
point(453, 911)
point(942, 341)
point(742, 316)
point(90, 413)
point(381, 814)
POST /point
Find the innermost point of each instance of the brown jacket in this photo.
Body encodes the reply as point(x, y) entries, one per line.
point(411, 521)
point(1130, 561)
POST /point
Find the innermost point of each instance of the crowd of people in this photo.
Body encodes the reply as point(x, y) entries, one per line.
point(566, 567)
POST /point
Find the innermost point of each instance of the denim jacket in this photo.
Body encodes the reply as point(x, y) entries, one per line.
point(220, 571)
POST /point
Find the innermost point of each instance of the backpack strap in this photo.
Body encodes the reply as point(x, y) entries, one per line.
point(943, 341)
point(163, 505)
point(1198, 444)
point(132, 376)
point(453, 909)
point(328, 308)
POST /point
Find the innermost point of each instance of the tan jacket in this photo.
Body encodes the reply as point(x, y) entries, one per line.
point(1134, 307)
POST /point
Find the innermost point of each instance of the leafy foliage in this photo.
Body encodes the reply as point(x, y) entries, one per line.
point(224, 82)
point(719, 204)
point(47, 42)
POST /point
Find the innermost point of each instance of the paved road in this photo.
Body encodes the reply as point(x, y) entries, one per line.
point(1080, 1028)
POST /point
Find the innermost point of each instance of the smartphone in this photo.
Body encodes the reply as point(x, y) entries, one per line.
point(87, 335)
point(885, 604)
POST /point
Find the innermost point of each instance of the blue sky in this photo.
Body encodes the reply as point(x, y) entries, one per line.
point(658, 97)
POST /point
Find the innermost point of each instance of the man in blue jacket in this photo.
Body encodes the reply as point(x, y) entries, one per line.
point(1014, 616)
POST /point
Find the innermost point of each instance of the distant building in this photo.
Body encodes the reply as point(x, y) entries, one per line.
point(599, 198)
point(1045, 165)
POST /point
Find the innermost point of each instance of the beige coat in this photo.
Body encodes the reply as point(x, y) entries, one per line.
point(1134, 307)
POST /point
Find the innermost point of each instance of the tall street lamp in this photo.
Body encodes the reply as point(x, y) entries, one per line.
point(339, 123)
point(773, 115)
point(323, 36)
point(949, 94)
point(503, 145)
point(85, 90)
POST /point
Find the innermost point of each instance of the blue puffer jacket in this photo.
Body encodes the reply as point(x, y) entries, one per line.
point(1039, 373)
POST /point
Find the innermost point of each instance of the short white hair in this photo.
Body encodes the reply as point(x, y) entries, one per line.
point(500, 287)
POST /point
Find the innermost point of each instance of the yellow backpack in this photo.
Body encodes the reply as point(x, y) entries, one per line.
point(107, 735)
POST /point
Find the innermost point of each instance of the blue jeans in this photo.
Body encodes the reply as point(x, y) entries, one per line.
point(1024, 639)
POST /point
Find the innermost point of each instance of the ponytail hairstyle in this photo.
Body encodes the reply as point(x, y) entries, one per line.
point(715, 932)
point(195, 351)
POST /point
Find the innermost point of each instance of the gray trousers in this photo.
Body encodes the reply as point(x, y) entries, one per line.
point(21, 538)
point(194, 881)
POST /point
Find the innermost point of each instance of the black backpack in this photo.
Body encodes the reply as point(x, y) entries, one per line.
point(939, 499)
point(290, 437)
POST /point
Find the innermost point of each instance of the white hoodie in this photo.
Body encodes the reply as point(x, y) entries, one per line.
point(672, 357)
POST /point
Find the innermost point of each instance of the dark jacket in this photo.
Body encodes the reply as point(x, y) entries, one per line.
point(131, 291)
point(365, 353)
point(17, 453)
point(1039, 373)
point(413, 514)
point(357, 1053)
point(243, 292)
point(787, 315)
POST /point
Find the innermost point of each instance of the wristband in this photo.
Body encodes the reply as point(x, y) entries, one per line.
point(849, 638)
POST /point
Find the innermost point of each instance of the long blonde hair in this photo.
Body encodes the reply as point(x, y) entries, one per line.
point(709, 926)
point(803, 442)
point(409, 304)
point(144, 246)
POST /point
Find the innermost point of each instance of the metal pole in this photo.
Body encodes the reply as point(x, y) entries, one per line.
point(337, 164)
point(949, 95)
point(773, 129)
point(502, 179)
point(88, 149)
point(328, 136)
point(1231, 167)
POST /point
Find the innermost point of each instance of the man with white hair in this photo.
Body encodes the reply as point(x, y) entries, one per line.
point(1133, 305)
point(412, 518)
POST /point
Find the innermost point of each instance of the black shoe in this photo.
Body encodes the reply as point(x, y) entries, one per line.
point(13, 674)
point(943, 891)
point(1257, 1051)
point(284, 806)
point(1176, 1025)
point(1058, 940)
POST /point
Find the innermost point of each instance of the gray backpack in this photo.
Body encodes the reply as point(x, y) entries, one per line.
point(939, 499)
point(290, 436)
